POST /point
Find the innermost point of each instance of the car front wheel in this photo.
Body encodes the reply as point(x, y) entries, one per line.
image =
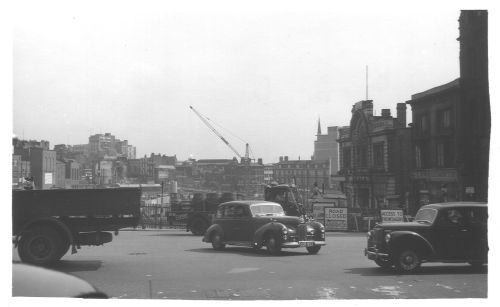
point(273, 244)
point(407, 261)
point(313, 250)
point(217, 242)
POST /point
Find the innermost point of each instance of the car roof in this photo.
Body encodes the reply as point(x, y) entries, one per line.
point(249, 202)
point(461, 204)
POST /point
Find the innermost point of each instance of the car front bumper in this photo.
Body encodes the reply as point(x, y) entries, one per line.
point(302, 244)
point(374, 254)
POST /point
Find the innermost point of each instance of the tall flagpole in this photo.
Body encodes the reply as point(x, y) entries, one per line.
point(366, 82)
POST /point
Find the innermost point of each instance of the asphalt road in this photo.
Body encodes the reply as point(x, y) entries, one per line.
point(173, 264)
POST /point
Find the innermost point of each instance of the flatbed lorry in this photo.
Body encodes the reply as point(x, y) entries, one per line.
point(47, 223)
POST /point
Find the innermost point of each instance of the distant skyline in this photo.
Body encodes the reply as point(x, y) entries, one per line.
point(265, 76)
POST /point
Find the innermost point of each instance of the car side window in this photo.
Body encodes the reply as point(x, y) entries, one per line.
point(478, 216)
point(220, 212)
point(239, 211)
point(452, 217)
point(230, 211)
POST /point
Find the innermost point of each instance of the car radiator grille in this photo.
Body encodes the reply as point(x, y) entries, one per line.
point(302, 234)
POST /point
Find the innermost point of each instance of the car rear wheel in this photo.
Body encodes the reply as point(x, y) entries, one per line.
point(273, 244)
point(313, 250)
point(384, 263)
point(217, 242)
point(407, 261)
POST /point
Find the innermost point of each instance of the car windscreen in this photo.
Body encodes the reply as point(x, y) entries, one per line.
point(426, 215)
point(267, 210)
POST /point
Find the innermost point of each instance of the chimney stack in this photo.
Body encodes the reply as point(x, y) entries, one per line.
point(401, 111)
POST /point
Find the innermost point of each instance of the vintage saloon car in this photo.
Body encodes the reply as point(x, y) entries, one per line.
point(262, 223)
point(443, 232)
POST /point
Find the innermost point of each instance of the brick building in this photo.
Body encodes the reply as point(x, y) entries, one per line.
point(452, 125)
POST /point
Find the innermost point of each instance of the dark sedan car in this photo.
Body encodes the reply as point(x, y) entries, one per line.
point(444, 232)
point(261, 223)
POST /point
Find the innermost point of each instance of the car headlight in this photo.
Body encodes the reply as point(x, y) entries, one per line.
point(387, 237)
point(321, 228)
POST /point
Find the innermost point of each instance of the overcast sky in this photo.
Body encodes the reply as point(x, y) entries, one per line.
point(263, 76)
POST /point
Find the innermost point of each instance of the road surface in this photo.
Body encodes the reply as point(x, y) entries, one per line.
point(173, 264)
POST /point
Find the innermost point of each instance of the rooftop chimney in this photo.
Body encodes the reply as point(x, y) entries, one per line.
point(386, 112)
point(401, 110)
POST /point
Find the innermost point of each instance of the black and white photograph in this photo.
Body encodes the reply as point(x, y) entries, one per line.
point(258, 152)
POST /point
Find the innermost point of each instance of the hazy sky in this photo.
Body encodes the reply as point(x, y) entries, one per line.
point(265, 75)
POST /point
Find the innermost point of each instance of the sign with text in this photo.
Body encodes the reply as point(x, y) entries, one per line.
point(335, 218)
point(392, 216)
point(48, 178)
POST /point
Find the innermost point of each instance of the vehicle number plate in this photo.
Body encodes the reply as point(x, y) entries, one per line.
point(306, 244)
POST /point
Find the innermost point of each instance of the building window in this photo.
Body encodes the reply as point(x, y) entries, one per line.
point(378, 154)
point(418, 157)
point(443, 154)
point(444, 119)
point(422, 123)
point(346, 153)
point(440, 154)
point(361, 154)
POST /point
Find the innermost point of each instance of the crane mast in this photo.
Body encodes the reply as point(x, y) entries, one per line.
point(220, 135)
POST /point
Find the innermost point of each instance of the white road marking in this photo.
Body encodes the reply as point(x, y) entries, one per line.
point(444, 286)
point(388, 290)
point(326, 293)
point(242, 270)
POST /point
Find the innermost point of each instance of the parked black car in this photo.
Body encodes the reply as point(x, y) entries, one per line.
point(262, 223)
point(443, 232)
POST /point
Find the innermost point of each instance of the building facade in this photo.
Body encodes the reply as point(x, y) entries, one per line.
point(375, 153)
point(452, 121)
point(326, 148)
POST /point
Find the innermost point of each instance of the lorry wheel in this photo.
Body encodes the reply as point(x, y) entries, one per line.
point(273, 244)
point(313, 250)
point(217, 242)
point(40, 246)
point(198, 226)
point(407, 261)
point(384, 263)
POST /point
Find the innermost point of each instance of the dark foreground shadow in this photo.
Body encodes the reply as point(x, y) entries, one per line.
point(69, 266)
point(250, 252)
point(424, 270)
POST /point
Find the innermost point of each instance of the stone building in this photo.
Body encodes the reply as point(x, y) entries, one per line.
point(375, 158)
point(326, 148)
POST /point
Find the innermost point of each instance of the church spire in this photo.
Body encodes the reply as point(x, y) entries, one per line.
point(319, 127)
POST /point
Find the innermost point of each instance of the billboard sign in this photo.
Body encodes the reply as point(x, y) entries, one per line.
point(335, 218)
point(392, 216)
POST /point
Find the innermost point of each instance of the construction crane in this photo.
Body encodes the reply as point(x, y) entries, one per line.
point(205, 121)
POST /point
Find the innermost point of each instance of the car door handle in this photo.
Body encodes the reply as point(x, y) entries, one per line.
point(464, 230)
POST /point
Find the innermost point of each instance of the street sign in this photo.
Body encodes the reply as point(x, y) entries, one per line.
point(392, 216)
point(335, 218)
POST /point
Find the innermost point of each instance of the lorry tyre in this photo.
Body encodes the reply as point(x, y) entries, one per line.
point(407, 260)
point(217, 242)
point(64, 248)
point(42, 245)
point(198, 226)
point(313, 250)
point(273, 244)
